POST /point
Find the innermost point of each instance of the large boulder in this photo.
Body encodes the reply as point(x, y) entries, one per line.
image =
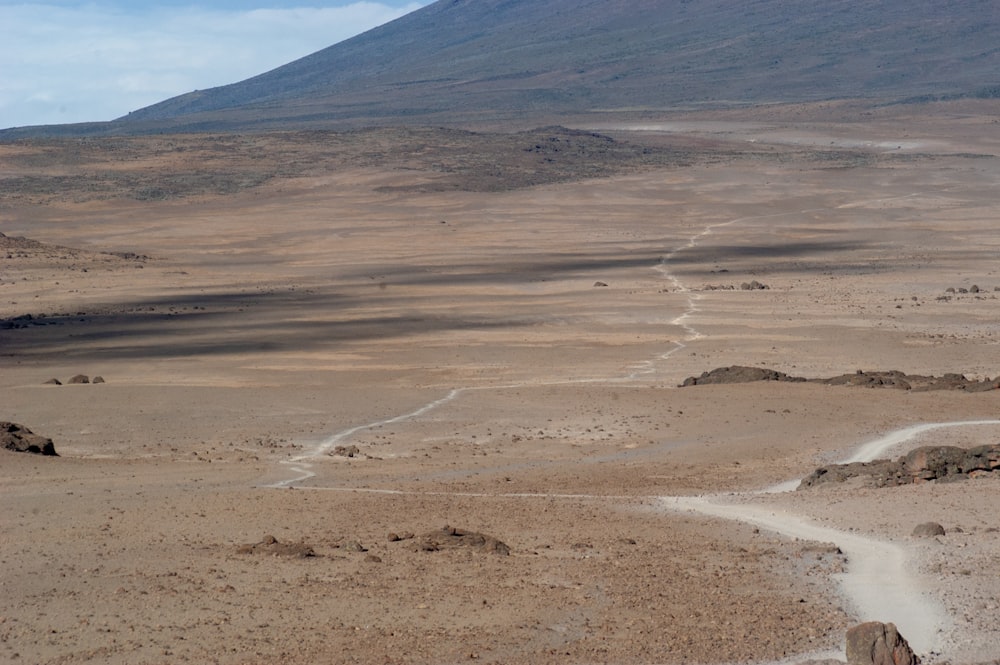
point(739, 374)
point(22, 440)
point(937, 463)
point(877, 643)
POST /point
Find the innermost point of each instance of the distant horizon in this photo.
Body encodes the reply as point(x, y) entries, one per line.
point(64, 63)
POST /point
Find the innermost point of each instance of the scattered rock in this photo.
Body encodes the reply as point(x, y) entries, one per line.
point(52, 382)
point(270, 545)
point(346, 451)
point(79, 378)
point(928, 530)
point(20, 439)
point(97, 379)
point(876, 643)
point(600, 284)
point(451, 538)
point(753, 286)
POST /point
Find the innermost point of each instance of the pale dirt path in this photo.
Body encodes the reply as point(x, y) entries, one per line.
point(879, 581)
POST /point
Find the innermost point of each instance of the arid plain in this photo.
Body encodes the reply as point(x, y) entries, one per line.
point(348, 342)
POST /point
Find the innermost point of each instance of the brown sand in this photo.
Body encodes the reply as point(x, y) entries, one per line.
point(259, 329)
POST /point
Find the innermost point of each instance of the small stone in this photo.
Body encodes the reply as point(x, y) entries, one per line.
point(353, 546)
point(928, 530)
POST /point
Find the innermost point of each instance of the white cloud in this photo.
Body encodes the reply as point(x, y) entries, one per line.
point(76, 64)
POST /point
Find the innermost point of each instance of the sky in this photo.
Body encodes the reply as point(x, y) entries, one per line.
point(64, 62)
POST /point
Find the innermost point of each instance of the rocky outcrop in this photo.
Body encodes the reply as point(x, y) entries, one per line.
point(449, 538)
point(915, 382)
point(876, 643)
point(738, 374)
point(878, 379)
point(76, 380)
point(270, 546)
point(22, 440)
point(938, 463)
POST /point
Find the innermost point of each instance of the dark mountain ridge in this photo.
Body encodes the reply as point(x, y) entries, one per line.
point(490, 62)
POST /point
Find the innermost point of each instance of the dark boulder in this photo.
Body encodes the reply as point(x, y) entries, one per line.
point(22, 440)
point(738, 374)
point(925, 464)
point(928, 530)
point(876, 643)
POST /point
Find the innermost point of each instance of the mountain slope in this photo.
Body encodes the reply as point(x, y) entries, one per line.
point(469, 61)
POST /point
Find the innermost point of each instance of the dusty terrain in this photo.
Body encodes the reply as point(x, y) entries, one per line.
point(499, 353)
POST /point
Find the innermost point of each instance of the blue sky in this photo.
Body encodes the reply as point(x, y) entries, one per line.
point(63, 61)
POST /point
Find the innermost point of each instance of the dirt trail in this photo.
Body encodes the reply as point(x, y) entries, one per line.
point(879, 582)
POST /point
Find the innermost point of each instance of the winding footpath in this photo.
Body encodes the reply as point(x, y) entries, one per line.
point(879, 583)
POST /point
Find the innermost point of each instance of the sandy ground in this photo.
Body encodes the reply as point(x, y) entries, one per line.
point(460, 341)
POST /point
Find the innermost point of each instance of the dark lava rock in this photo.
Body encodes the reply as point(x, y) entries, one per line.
point(881, 379)
point(877, 473)
point(876, 643)
point(79, 378)
point(738, 374)
point(928, 530)
point(20, 439)
point(890, 379)
point(97, 379)
point(52, 382)
point(937, 463)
